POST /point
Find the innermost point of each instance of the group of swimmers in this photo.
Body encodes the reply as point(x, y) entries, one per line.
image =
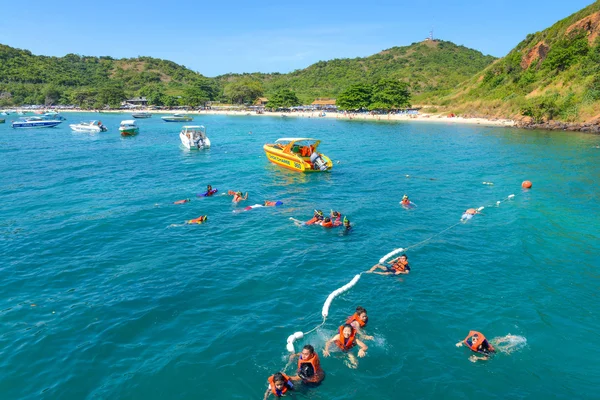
point(333, 220)
point(309, 371)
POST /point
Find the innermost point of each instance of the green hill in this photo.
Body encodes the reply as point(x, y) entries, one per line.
point(551, 75)
point(29, 79)
point(428, 67)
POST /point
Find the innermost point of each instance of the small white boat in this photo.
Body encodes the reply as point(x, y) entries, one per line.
point(35, 122)
point(89, 126)
point(129, 128)
point(194, 137)
point(141, 114)
point(177, 118)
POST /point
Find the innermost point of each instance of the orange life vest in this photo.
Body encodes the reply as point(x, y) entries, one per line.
point(346, 344)
point(270, 203)
point(471, 211)
point(328, 224)
point(312, 220)
point(198, 220)
point(285, 386)
point(400, 265)
point(474, 345)
point(316, 367)
point(356, 317)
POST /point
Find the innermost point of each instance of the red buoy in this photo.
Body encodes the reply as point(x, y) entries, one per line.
point(526, 185)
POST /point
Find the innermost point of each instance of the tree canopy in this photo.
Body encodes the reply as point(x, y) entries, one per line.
point(284, 98)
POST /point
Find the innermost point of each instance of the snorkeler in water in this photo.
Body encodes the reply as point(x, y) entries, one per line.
point(279, 385)
point(309, 366)
point(345, 340)
point(479, 344)
point(396, 266)
point(359, 320)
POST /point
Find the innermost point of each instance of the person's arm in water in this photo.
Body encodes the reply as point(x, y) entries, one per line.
point(363, 348)
point(328, 343)
point(267, 392)
point(360, 332)
point(245, 197)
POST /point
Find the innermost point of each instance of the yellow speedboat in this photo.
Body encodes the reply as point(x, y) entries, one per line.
point(298, 154)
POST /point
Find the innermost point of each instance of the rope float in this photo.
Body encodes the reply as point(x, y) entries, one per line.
point(325, 311)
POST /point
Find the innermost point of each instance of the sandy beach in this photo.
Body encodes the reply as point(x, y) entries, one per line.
point(423, 117)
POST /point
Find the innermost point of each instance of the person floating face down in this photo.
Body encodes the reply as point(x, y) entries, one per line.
point(279, 385)
point(478, 344)
point(309, 367)
point(468, 214)
point(345, 340)
point(397, 266)
point(359, 321)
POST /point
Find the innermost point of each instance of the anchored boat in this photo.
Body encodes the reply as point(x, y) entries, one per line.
point(35, 122)
point(194, 137)
point(89, 126)
point(129, 128)
point(141, 114)
point(177, 118)
point(298, 154)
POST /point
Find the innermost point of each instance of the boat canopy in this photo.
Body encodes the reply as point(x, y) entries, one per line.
point(128, 122)
point(294, 140)
point(290, 145)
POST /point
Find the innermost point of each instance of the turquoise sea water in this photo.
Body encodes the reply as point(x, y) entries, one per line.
point(103, 298)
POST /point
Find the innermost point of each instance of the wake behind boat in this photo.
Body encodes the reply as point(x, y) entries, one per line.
point(194, 137)
point(89, 126)
point(177, 118)
point(298, 154)
point(35, 122)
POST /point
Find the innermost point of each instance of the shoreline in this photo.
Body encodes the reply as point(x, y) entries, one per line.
point(434, 118)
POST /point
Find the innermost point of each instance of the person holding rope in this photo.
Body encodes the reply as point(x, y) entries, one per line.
point(396, 266)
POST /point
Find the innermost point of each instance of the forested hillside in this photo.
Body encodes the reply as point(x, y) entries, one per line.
point(552, 74)
point(428, 67)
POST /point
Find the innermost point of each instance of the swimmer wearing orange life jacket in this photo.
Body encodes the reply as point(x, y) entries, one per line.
point(237, 196)
point(345, 340)
point(279, 385)
point(397, 266)
point(405, 200)
point(309, 366)
point(201, 219)
point(479, 344)
point(316, 219)
point(468, 214)
point(359, 320)
point(327, 223)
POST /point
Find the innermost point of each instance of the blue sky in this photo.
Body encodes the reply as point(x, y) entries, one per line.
point(216, 37)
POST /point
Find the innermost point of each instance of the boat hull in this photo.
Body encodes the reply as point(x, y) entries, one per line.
point(189, 144)
point(88, 129)
point(129, 131)
point(176, 119)
point(36, 124)
point(293, 162)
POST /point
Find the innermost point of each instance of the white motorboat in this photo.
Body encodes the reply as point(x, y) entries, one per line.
point(35, 122)
point(177, 118)
point(194, 137)
point(89, 126)
point(141, 114)
point(129, 128)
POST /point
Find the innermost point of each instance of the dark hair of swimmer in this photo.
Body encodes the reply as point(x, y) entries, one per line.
point(309, 348)
point(327, 219)
point(360, 310)
point(347, 326)
point(209, 187)
point(278, 377)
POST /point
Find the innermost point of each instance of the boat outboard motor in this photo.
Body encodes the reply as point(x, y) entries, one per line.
point(318, 161)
